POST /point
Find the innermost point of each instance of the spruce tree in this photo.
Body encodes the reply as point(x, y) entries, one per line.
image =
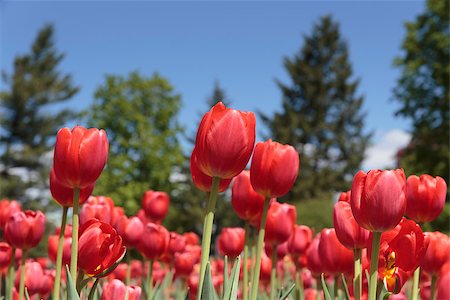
point(28, 120)
point(321, 114)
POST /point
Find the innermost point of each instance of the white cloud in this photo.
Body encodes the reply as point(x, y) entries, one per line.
point(381, 155)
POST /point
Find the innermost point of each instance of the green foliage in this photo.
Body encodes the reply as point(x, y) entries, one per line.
point(28, 118)
point(423, 91)
point(139, 116)
point(321, 114)
point(315, 213)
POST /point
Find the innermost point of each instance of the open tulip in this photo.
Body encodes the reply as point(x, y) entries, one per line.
point(155, 205)
point(225, 141)
point(24, 230)
point(247, 203)
point(64, 195)
point(7, 209)
point(274, 168)
point(202, 181)
point(100, 208)
point(231, 241)
point(100, 248)
point(425, 196)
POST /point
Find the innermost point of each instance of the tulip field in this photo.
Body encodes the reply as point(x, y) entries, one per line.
point(376, 250)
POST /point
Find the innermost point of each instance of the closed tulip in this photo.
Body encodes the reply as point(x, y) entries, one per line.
point(184, 263)
point(225, 141)
point(67, 245)
point(154, 241)
point(336, 258)
point(130, 229)
point(80, 156)
point(34, 278)
point(100, 208)
point(231, 241)
point(378, 199)
point(99, 248)
point(425, 196)
point(348, 231)
point(7, 209)
point(245, 201)
point(64, 195)
point(274, 169)
point(5, 255)
point(299, 240)
point(24, 230)
point(202, 181)
point(116, 290)
point(437, 253)
point(281, 219)
point(155, 205)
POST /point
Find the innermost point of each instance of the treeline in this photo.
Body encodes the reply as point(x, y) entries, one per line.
point(321, 116)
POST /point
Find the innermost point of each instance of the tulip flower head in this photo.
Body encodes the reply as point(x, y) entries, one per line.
point(247, 203)
point(100, 208)
point(437, 253)
point(299, 240)
point(336, 258)
point(7, 209)
point(154, 241)
point(231, 241)
point(130, 230)
point(24, 230)
point(281, 219)
point(5, 255)
point(155, 205)
point(116, 289)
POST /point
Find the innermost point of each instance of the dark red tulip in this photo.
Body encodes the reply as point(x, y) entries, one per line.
point(245, 201)
point(274, 169)
point(154, 242)
point(348, 231)
point(225, 141)
point(191, 238)
point(202, 181)
point(425, 196)
point(184, 263)
point(100, 208)
point(24, 230)
point(231, 241)
point(64, 195)
point(299, 240)
point(437, 253)
point(314, 262)
point(5, 255)
point(34, 278)
point(116, 289)
point(99, 248)
point(67, 246)
point(378, 199)
point(155, 205)
point(7, 209)
point(80, 156)
point(336, 258)
point(281, 219)
point(130, 230)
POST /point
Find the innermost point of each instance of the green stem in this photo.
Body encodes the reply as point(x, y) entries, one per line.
point(319, 288)
point(298, 280)
point(415, 287)
point(128, 276)
point(93, 289)
point(207, 230)
point(59, 255)
point(259, 246)
point(22, 274)
point(335, 287)
point(374, 265)
point(245, 265)
point(273, 273)
point(433, 287)
point(357, 280)
point(150, 280)
point(74, 257)
point(225, 275)
point(253, 258)
point(10, 278)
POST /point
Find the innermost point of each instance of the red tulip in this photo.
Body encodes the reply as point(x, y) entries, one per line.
point(130, 230)
point(202, 181)
point(245, 201)
point(281, 219)
point(345, 196)
point(143, 217)
point(274, 169)
point(336, 258)
point(5, 255)
point(34, 278)
point(100, 208)
point(184, 263)
point(282, 250)
point(80, 156)
point(348, 231)
point(437, 253)
point(195, 250)
point(99, 248)
point(116, 289)
point(67, 246)
point(177, 243)
point(191, 238)
point(117, 214)
point(121, 271)
point(7, 209)
point(425, 197)
point(299, 240)
point(378, 199)
point(266, 267)
point(314, 262)
point(155, 205)
point(231, 241)
point(154, 242)
point(443, 292)
point(64, 195)
point(24, 230)
point(225, 141)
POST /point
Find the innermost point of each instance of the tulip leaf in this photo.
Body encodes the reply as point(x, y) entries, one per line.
point(326, 293)
point(164, 286)
point(287, 292)
point(344, 283)
point(71, 289)
point(230, 293)
point(208, 292)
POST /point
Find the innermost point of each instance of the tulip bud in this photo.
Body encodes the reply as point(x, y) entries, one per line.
point(231, 241)
point(24, 230)
point(154, 242)
point(225, 141)
point(184, 263)
point(155, 205)
point(202, 181)
point(7, 209)
point(34, 277)
point(245, 201)
point(281, 219)
point(191, 238)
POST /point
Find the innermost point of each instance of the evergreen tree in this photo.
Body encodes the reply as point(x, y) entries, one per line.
point(28, 120)
point(423, 91)
point(139, 115)
point(321, 114)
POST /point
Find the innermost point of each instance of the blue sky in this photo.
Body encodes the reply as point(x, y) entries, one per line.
point(241, 44)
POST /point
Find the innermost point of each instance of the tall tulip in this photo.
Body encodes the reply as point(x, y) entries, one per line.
point(155, 205)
